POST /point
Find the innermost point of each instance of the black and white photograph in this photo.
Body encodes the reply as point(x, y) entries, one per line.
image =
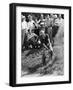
point(40, 44)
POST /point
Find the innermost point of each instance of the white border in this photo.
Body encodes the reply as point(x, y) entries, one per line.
point(34, 79)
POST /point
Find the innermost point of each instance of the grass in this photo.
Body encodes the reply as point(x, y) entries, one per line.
point(32, 59)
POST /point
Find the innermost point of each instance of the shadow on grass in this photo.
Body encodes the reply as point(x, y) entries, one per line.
point(34, 69)
point(32, 51)
point(43, 69)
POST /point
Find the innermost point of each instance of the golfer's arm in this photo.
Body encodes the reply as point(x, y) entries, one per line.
point(51, 48)
point(45, 46)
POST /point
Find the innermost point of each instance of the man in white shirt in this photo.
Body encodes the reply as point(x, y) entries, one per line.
point(58, 20)
point(24, 24)
point(31, 24)
point(51, 19)
point(61, 21)
point(24, 28)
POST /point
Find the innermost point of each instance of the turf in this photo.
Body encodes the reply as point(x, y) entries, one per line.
point(31, 60)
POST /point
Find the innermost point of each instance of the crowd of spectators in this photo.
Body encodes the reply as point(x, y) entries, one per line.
point(39, 25)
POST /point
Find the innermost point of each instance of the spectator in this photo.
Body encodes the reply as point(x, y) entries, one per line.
point(48, 26)
point(55, 26)
point(58, 20)
point(51, 19)
point(31, 24)
point(41, 23)
point(24, 27)
point(61, 21)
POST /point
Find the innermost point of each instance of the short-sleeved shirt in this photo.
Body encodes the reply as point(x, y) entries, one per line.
point(51, 21)
point(59, 22)
point(42, 25)
point(47, 23)
point(42, 22)
point(31, 25)
point(24, 26)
